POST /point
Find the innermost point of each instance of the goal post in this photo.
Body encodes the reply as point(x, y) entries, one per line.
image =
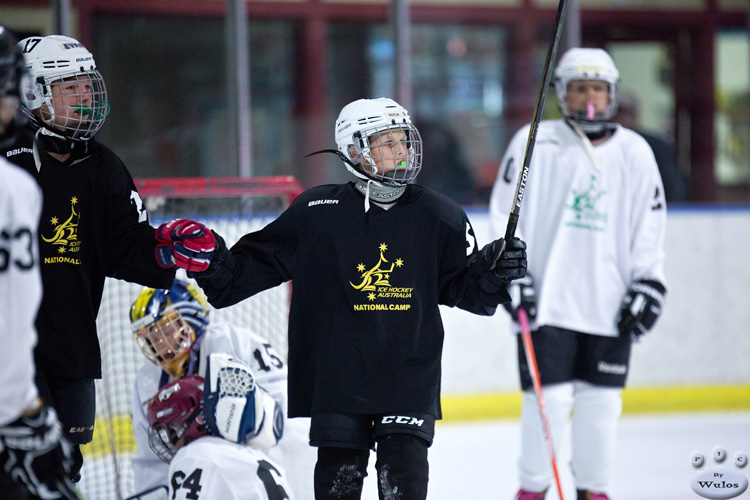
point(231, 206)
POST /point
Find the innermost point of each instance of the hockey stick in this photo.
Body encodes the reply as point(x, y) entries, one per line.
point(510, 229)
point(528, 348)
point(515, 211)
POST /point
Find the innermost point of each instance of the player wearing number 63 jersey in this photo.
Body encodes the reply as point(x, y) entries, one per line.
point(172, 328)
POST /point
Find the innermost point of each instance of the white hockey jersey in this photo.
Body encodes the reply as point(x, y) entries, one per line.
point(211, 468)
point(20, 288)
point(292, 451)
point(591, 227)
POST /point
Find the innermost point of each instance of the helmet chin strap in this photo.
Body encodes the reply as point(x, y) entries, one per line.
point(53, 142)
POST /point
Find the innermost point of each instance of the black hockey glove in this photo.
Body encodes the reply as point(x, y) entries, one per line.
point(220, 255)
point(501, 266)
point(640, 308)
point(34, 452)
point(523, 294)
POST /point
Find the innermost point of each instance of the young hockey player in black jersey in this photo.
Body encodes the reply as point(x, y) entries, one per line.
point(371, 261)
point(35, 460)
point(93, 223)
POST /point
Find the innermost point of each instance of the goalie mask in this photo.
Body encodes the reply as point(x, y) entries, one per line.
point(174, 416)
point(166, 323)
point(377, 141)
point(587, 64)
point(67, 95)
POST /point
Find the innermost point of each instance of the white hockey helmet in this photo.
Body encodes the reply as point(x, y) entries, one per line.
point(55, 59)
point(356, 125)
point(587, 64)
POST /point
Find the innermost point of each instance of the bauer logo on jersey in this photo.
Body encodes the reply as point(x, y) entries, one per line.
point(586, 207)
point(375, 283)
point(64, 237)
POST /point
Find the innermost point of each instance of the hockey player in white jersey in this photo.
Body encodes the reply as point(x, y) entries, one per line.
point(203, 466)
point(594, 218)
point(34, 457)
point(173, 330)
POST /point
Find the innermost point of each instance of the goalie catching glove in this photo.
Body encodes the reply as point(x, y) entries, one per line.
point(186, 244)
point(641, 308)
point(33, 452)
point(522, 294)
point(236, 408)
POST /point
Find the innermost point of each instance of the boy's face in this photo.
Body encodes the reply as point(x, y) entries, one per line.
point(587, 97)
point(389, 150)
point(73, 102)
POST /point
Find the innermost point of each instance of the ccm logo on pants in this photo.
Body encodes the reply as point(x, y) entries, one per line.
point(402, 420)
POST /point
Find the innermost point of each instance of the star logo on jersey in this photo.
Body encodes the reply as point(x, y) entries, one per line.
point(376, 281)
point(583, 207)
point(65, 237)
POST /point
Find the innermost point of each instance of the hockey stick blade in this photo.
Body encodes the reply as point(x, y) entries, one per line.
point(510, 229)
point(528, 348)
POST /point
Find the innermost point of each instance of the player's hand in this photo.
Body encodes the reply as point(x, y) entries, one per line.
point(184, 243)
point(34, 452)
point(640, 308)
point(235, 408)
point(523, 294)
point(508, 263)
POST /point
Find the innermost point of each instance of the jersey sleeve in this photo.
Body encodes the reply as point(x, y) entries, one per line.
point(258, 261)
point(649, 217)
point(20, 288)
point(133, 243)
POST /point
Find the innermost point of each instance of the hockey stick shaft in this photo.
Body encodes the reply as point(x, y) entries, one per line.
point(528, 348)
point(510, 229)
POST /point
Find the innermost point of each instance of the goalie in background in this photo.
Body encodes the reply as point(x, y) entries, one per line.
point(202, 465)
point(93, 224)
point(173, 329)
point(35, 458)
point(371, 261)
point(594, 216)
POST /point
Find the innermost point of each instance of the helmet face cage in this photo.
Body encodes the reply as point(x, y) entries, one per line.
point(165, 323)
point(378, 137)
point(67, 94)
point(174, 414)
point(166, 342)
point(587, 64)
point(74, 105)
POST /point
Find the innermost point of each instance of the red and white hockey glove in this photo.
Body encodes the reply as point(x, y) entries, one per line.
point(184, 243)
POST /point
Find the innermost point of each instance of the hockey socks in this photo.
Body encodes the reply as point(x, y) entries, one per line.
point(402, 467)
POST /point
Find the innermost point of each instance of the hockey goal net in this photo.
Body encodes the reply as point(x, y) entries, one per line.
point(230, 206)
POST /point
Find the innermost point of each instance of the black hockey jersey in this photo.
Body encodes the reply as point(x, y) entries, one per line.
point(93, 225)
point(365, 332)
